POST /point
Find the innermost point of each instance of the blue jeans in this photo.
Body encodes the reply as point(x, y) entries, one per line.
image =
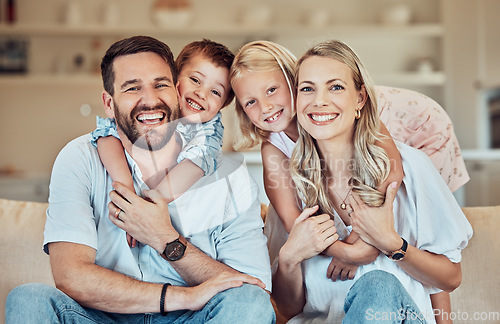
point(40, 303)
point(379, 297)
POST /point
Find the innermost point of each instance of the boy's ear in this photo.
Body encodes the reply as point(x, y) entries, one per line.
point(108, 103)
point(362, 97)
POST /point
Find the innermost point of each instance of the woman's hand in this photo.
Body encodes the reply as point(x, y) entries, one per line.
point(310, 235)
point(375, 225)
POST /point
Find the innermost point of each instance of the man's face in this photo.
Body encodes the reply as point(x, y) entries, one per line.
point(145, 102)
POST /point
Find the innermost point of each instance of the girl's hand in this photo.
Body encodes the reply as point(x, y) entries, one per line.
point(340, 270)
point(375, 225)
point(310, 235)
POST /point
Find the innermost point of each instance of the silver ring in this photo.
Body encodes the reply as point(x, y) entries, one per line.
point(350, 211)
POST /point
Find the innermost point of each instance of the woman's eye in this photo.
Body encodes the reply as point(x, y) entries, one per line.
point(337, 87)
point(305, 89)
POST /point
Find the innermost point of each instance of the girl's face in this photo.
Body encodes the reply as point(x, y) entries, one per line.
point(327, 98)
point(265, 98)
point(203, 88)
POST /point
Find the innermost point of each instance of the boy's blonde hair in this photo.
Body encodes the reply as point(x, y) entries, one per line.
point(260, 56)
point(370, 165)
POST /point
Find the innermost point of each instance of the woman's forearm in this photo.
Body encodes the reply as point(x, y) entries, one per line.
point(432, 269)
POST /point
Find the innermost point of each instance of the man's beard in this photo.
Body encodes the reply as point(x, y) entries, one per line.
point(155, 138)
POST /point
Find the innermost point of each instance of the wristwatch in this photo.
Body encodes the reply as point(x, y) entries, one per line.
point(398, 255)
point(175, 250)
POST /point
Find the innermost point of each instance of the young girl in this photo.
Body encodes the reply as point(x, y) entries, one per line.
point(204, 89)
point(262, 78)
point(420, 236)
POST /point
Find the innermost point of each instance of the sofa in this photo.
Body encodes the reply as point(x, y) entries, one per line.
point(23, 259)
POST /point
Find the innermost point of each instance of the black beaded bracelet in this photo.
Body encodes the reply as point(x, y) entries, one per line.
point(162, 299)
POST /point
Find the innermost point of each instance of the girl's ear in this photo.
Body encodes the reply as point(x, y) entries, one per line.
point(108, 103)
point(362, 97)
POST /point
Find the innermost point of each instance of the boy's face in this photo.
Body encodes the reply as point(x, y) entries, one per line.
point(203, 88)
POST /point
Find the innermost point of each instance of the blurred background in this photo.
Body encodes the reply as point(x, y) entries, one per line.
point(50, 88)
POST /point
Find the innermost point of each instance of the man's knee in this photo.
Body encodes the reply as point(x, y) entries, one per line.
point(29, 300)
point(28, 293)
point(251, 300)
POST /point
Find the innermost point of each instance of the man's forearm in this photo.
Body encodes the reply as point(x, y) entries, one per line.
point(196, 267)
point(91, 285)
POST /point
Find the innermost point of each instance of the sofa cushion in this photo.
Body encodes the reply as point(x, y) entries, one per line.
point(479, 293)
point(23, 259)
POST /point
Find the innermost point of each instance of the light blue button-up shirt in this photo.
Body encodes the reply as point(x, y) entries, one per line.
point(220, 215)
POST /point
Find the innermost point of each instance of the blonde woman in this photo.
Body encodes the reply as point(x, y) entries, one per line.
point(419, 236)
point(262, 77)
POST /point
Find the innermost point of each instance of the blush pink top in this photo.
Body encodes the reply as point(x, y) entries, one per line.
point(420, 122)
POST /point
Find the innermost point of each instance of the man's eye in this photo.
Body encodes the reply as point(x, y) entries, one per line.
point(131, 89)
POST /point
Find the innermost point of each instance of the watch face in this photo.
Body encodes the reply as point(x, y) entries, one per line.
point(174, 250)
point(397, 256)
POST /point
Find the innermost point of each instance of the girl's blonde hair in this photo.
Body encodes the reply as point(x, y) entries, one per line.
point(370, 164)
point(260, 56)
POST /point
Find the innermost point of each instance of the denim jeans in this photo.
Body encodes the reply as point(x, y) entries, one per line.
point(379, 297)
point(39, 303)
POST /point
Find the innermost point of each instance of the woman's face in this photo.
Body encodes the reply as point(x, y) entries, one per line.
point(265, 98)
point(327, 98)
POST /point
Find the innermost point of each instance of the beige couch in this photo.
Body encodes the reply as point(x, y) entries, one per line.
point(24, 261)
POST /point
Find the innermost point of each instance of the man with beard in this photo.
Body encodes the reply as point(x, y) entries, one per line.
point(191, 251)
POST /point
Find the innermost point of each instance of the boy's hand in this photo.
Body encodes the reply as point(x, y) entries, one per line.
point(132, 242)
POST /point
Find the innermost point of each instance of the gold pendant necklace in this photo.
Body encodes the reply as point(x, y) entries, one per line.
point(343, 205)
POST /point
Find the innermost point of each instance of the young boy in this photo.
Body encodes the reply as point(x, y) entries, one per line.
point(204, 89)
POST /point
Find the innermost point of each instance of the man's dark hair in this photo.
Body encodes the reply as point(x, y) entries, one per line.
point(133, 45)
point(219, 54)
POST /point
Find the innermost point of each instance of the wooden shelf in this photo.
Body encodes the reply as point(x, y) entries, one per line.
point(414, 30)
point(50, 79)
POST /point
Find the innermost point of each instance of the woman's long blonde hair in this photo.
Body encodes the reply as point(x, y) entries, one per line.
point(260, 56)
point(370, 165)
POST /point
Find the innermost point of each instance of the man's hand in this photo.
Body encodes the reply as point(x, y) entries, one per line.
point(198, 296)
point(147, 221)
point(340, 270)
